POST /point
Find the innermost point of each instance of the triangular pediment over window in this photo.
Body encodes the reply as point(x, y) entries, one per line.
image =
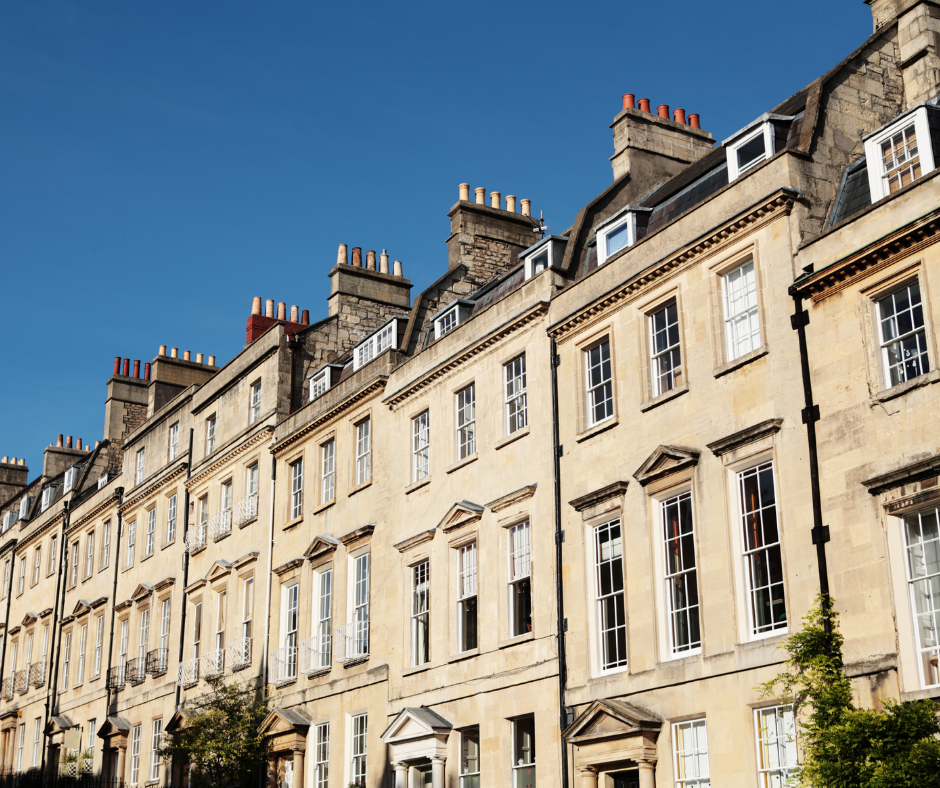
point(82, 606)
point(218, 569)
point(320, 546)
point(665, 461)
point(608, 719)
point(281, 721)
point(142, 591)
point(29, 618)
point(415, 723)
point(461, 514)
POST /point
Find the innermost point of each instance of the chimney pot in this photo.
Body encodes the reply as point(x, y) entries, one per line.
point(293, 314)
point(127, 367)
point(269, 308)
point(59, 441)
point(21, 462)
point(78, 445)
point(136, 367)
point(678, 115)
point(526, 207)
point(147, 371)
point(211, 361)
point(480, 193)
point(370, 260)
point(663, 111)
point(199, 358)
point(342, 256)
point(629, 101)
point(68, 441)
point(5, 459)
point(494, 199)
point(187, 355)
point(256, 305)
point(511, 203)
point(117, 365)
point(397, 269)
point(305, 317)
point(383, 262)
point(162, 351)
point(644, 105)
point(281, 310)
point(464, 189)
point(693, 121)
point(357, 256)
point(97, 444)
point(174, 353)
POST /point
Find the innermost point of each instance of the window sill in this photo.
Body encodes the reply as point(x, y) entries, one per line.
point(509, 642)
point(663, 398)
point(221, 536)
point(324, 506)
point(418, 485)
point(474, 652)
point(353, 661)
point(359, 488)
point(461, 463)
point(291, 523)
point(417, 669)
point(740, 361)
point(692, 654)
point(145, 558)
point(286, 683)
point(315, 674)
point(512, 438)
point(248, 522)
point(165, 545)
point(932, 693)
point(909, 385)
point(597, 429)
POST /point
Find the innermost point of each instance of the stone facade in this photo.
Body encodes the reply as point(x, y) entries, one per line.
point(558, 538)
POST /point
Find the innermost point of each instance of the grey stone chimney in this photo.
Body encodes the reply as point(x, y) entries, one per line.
point(918, 44)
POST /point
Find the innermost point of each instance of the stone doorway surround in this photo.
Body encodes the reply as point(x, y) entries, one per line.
point(286, 731)
point(417, 736)
point(114, 734)
point(612, 736)
point(8, 724)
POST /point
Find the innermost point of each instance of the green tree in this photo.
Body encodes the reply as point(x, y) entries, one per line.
point(220, 738)
point(846, 747)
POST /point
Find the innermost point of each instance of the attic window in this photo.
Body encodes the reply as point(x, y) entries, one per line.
point(47, 498)
point(901, 152)
point(547, 253)
point(8, 521)
point(383, 339)
point(102, 480)
point(620, 231)
point(756, 142)
point(319, 383)
point(24, 506)
point(447, 322)
point(71, 478)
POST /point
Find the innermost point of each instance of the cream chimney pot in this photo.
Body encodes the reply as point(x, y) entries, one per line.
point(370, 260)
point(174, 353)
point(256, 305)
point(397, 269)
point(293, 314)
point(465, 192)
point(494, 199)
point(162, 351)
point(511, 203)
point(199, 358)
point(211, 361)
point(269, 308)
point(186, 355)
point(480, 195)
point(526, 207)
point(342, 256)
point(383, 262)
point(281, 310)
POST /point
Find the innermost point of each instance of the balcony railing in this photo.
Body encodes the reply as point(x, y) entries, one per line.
point(37, 674)
point(196, 537)
point(213, 662)
point(188, 672)
point(6, 689)
point(315, 653)
point(245, 509)
point(282, 664)
point(20, 684)
point(157, 661)
point(352, 641)
point(116, 677)
point(238, 654)
point(220, 524)
point(135, 671)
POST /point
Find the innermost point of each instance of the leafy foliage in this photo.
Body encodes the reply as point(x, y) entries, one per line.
point(220, 739)
point(846, 747)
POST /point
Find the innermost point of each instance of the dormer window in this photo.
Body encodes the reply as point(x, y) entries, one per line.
point(46, 498)
point(383, 339)
point(324, 379)
point(102, 480)
point(621, 230)
point(8, 521)
point(451, 316)
point(71, 478)
point(901, 152)
point(756, 142)
point(547, 253)
point(25, 502)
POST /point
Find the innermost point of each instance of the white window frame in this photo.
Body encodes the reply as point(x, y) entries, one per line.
point(690, 754)
point(143, 638)
point(328, 471)
point(919, 586)
point(465, 412)
point(421, 613)
point(82, 643)
point(359, 749)
point(360, 568)
point(71, 476)
point(19, 748)
point(155, 741)
point(447, 322)
point(141, 461)
point(225, 506)
point(469, 778)
point(916, 117)
point(99, 638)
point(166, 614)
point(734, 314)
point(211, 422)
point(90, 554)
point(363, 451)
point(296, 488)
point(515, 393)
point(917, 332)
point(171, 519)
point(37, 730)
point(602, 390)
point(173, 441)
point(46, 501)
point(467, 591)
point(772, 776)
point(681, 574)
point(254, 402)
point(320, 383)
point(106, 544)
point(607, 662)
point(519, 765)
point(519, 554)
point(37, 564)
point(421, 446)
point(131, 540)
point(135, 754)
point(604, 231)
point(381, 340)
point(290, 622)
point(151, 530)
point(321, 755)
point(765, 130)
point(251, 489)
point(665, 373)
point(73, 568)
point(66, 655)
point(248, 606)
point(323, 614)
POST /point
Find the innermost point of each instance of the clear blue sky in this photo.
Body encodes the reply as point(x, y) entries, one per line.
point(163, 162)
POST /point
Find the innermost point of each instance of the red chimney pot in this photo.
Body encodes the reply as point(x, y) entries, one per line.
point(127, 367)
point(678, 115)
point(305, 317)
point(663, 111)
point(147, 371)
point(693, 121)
point(629, 101)
point(644, 105)
point(136, 367)
point(117, 365)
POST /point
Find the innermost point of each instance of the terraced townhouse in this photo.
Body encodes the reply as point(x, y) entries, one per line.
point(550, 519)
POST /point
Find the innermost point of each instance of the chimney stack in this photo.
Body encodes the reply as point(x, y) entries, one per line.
point(293, 314)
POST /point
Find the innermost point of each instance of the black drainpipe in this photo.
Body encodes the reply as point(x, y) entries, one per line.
point(559, 589)
point(820, 533)
point(119, 492)
point(6, 629)
point(189, 473)
point(52, 667)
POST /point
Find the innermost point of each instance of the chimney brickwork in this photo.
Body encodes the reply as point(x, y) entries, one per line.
point(13, 479)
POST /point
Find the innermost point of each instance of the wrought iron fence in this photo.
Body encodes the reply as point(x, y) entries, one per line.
point(238, 654)
point(157, 661)
point(196, 537)
point(37, 674)
point(282, 664)
point(135, 673)
point(52, 779)
point(315, 653)
point(6, 689)
point(20, 684)
point(352, 641)
point(116, 677)
point(188, 672)
point(213, 663)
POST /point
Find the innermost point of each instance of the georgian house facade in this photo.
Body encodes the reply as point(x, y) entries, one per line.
point(549, 520)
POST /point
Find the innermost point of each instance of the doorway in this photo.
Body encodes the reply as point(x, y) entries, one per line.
point(629, 778)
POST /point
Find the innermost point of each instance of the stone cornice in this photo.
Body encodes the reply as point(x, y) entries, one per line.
point(916, 471)
point(152, 489)
point(414, 541)
point(357, 534)
point(887, 250)
point(91, 514)
point(284, 568)
point(615, 490)
point(745, 436)
point(351, 401)
point(255, 440)
point(40, 532)
point(458, 359)
point(509, 499)
point(766, 210)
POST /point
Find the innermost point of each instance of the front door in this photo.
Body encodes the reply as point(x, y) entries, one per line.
point(627, 779)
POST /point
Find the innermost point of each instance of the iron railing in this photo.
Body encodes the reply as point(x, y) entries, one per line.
point(20, 684)
point(135, 671)
point(6, 689)
point(213, 663)
point(157, 661)
point(196, 537)
point(220, 524)
point(116, 677)
point(315, 653)
point(238, 654)
point(37, 674)
point(352, 641)
point(282, 664)
point(188, 671)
